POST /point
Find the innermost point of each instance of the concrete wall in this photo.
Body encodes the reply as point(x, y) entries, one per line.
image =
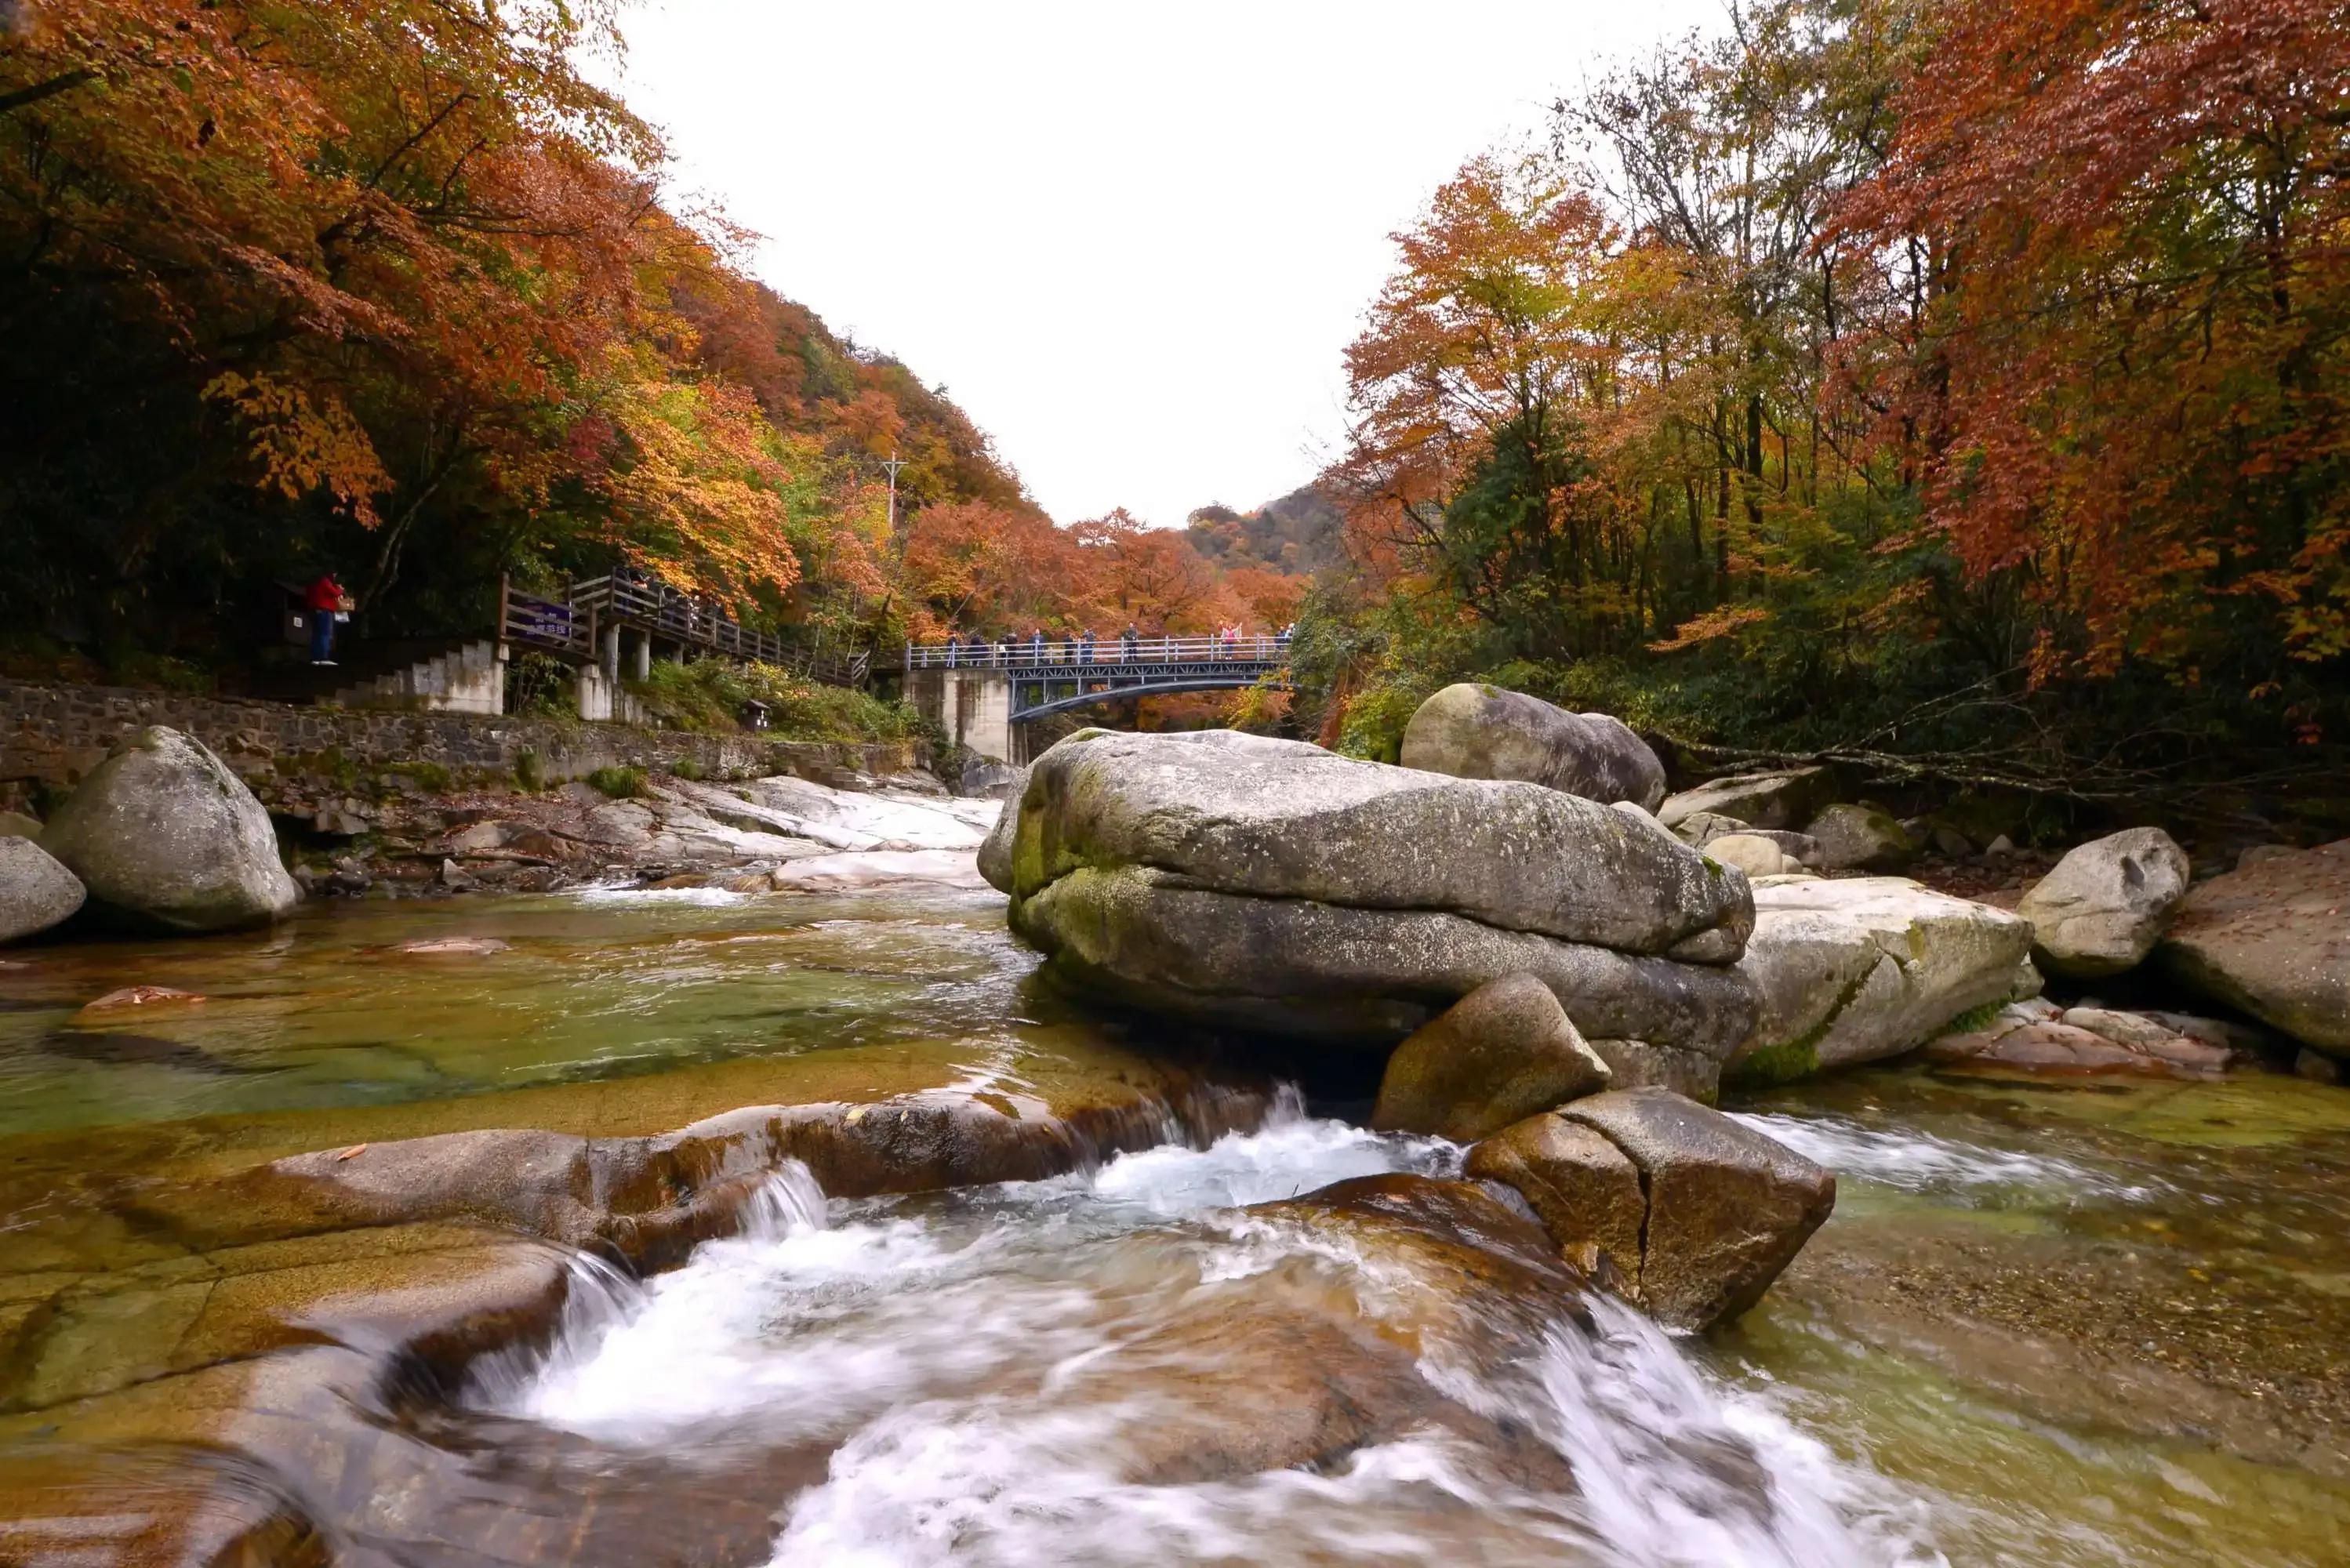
point(972, 706)
point(55, 734)
point(467, 680)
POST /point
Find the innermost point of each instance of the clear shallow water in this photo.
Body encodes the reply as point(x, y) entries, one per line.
point(327, 1011)
point(997, 1374)
point(2084, 1325)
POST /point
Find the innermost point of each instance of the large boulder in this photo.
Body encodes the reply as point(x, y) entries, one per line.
point(1720, 1209)
point(1501, 1053)
point(1701, 830)
point(2273, 940)
point(985, 778)
point(2103, 907)
point(1752, 854)
point(1475, 732)
point(1859, 838)
point(163, 832)
point(1780, 798)
point(35, 892)
point(1868, 967)
point(1580, 1186)
point(1269, 882)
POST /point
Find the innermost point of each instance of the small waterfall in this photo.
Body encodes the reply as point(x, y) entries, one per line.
point(990, 1369)
point(787, 1203)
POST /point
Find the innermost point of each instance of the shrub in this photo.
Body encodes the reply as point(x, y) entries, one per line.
point(708, 697)
point(617, 783)
point(528, 773)
point(538, 686)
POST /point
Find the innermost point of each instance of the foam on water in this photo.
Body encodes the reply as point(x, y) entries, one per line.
point(1917, 1161)
point(983, 1369)
point(701, 897)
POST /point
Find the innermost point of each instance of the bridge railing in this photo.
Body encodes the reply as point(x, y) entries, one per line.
point(632, 599)
point(1029, 653)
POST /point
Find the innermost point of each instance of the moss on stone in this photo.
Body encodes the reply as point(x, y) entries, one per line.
point(1784, 1063)
point(1972, 1019)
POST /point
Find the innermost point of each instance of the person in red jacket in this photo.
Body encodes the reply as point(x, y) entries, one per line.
point(328, 600)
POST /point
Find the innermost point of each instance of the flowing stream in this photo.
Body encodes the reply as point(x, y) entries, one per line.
point(2083, 1324)
point(1023, 1375)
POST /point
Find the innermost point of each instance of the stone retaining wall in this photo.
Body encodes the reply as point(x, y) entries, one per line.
point(53, 735)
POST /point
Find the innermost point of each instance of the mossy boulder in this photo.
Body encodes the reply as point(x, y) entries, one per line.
point(1859, 838)
point(1272, 884)
point(1864, 968)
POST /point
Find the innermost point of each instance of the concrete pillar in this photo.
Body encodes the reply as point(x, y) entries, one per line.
point(610, 656)
point(643, 667)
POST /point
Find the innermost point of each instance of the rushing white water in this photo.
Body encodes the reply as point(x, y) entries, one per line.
point(1916, 1161)
point(1032, 1374)
point(700, 897)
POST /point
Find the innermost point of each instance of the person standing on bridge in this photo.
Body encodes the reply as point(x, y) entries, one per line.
point(1126, 645)
point(1036, 644)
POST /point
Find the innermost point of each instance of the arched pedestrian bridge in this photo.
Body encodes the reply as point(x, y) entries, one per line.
point(984, 694)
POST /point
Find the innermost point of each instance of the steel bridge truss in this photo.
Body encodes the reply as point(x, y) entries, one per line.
point(1040, 689)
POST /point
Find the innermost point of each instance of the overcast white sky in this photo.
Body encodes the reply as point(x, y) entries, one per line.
point(1131, 240)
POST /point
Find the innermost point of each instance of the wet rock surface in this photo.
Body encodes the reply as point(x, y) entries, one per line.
point(1501, 1053)
point(1583, 1189)
point(1477, 731)
point(1727, 1208)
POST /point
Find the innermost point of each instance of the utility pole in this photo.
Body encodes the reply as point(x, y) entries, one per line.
point(891, 467)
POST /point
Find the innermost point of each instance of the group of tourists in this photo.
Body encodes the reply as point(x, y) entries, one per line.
point(970, 650)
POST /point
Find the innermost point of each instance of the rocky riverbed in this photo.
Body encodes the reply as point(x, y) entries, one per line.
point(781, 1178)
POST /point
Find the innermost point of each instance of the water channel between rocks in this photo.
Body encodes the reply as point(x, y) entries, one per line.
point(2091, 1323)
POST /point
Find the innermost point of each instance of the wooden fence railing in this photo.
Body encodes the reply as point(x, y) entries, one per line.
point(571, 627)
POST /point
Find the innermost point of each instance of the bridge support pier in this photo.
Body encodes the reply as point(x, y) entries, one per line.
point(972, 706)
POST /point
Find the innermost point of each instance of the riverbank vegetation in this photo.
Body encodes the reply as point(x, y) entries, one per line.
point(711, 696)
point(1951, 388)
point(399, 291)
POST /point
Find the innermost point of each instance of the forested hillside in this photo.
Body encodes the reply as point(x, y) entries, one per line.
point(1300, 534)
point(1958, 383)
point(396, 290)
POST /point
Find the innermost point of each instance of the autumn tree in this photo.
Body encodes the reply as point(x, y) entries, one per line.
point(2126, 392)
